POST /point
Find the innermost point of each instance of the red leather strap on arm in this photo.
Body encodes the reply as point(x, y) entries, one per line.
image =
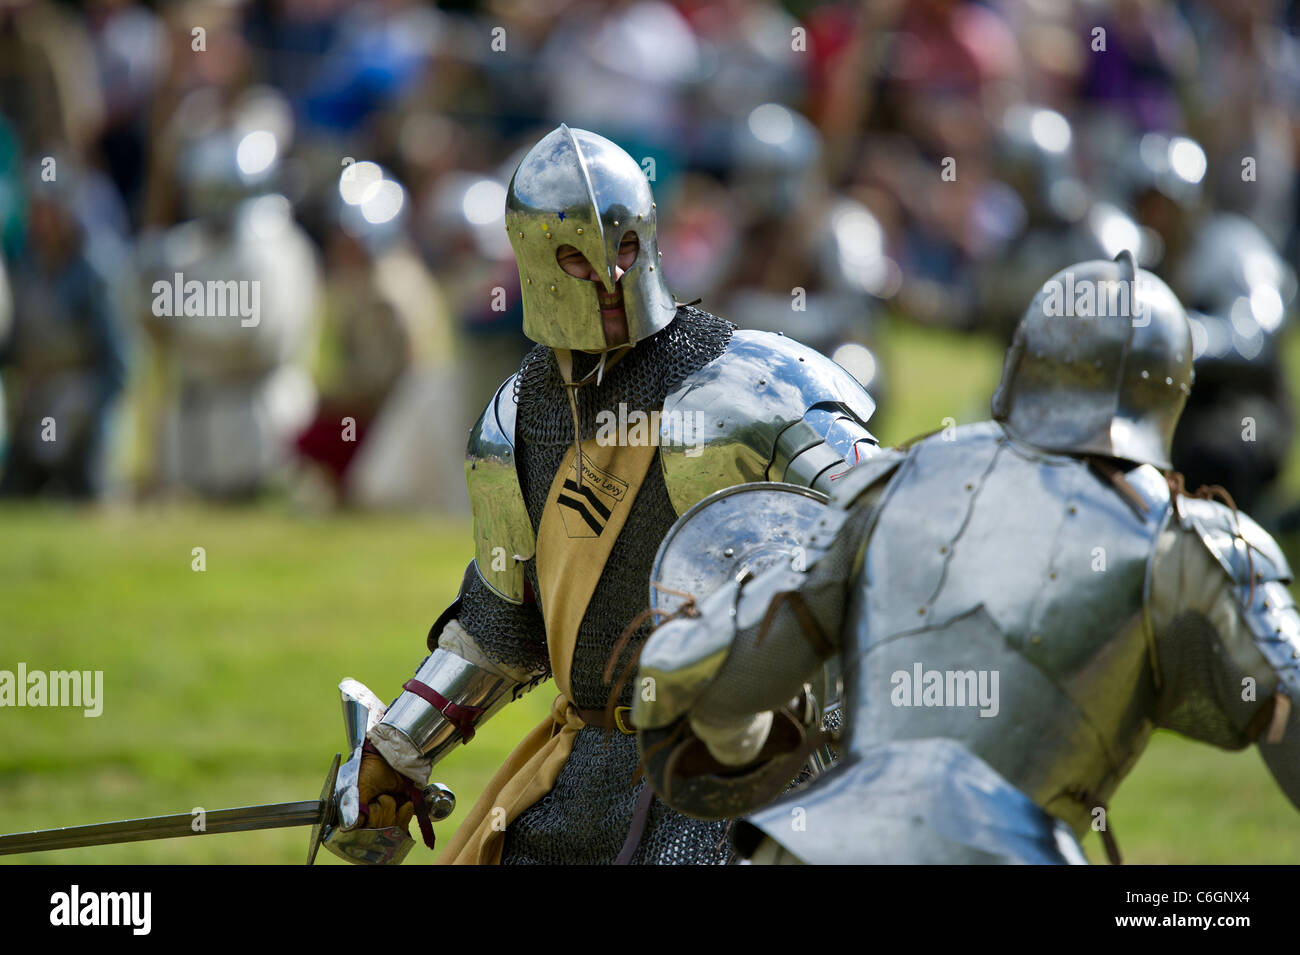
point(461, 717)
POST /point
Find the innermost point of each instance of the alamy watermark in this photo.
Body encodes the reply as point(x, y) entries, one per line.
point(73, 688)
point(638, 429)
point(921, 687)
point(1095, 298)
point(233, 298)
point(75, 907)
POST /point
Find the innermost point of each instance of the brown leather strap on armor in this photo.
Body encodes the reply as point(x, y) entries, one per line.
point(640, 816)
point(621, 719)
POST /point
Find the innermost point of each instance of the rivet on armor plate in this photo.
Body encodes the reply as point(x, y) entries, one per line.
point(521, 235)
point(652, 268)
point(801, 357)
point(530, 281)
point(762, 382)
point(920, 612)
point(552, 288)
point(722, 424)
point(579, 232)
point(943, 549)
point(638, 217)
point(1168, 380)
point(615, 223)
point(548, 235)
point(1051, 575)
point(654, 206)
point(1072, 510)
point(729, 552)
point(1145, 374)
point(970, 487)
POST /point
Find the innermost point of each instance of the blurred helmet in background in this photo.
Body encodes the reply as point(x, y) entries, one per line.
point(466, 214)
point(371, 206)
point(1173, 166)
point(1035, 151)
point(225, 158)
point(777, 155)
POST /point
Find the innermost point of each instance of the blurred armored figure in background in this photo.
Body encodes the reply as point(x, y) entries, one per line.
point(1058, 220)
point(808, 263)
point(65, 356)
point(1006, 659)
point(630, 410)
point(389, 406)
point(1238, 427)
point(233, 293)
point(463, 236)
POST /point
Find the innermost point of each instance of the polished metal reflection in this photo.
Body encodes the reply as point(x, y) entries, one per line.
point(459, 682)
point(1110, 384)
point(1258, 568)
point(742, 529)
point(503, 534)
point(948, 593)
point(770, 409)
point(730, 538)
point(923, 801)
point(580, 189)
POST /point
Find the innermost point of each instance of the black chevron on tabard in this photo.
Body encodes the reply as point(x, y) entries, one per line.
point(591, 497)
point(581, 508)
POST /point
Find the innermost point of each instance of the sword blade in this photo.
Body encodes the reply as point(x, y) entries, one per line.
point(281, 815)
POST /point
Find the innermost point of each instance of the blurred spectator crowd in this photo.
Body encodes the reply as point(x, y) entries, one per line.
point(260, 244)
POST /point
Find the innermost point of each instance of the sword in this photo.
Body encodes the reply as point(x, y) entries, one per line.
point(333, 817)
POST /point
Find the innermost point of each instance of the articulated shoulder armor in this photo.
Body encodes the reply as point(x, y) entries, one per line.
point(1258, 568)
point(503, 535)
point(766, 409)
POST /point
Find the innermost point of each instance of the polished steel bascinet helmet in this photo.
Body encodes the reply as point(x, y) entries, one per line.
point(1101, 363)
point(576, 188)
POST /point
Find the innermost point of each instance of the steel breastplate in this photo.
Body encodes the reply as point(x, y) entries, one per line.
point(1018, 577)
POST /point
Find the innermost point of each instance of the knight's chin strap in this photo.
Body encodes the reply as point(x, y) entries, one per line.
point(564, 359)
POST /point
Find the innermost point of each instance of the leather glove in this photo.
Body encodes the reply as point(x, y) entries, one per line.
point(381, 791)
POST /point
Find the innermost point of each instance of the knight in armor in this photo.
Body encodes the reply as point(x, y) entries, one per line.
point(389, 405)
point(1238, 426)
point(1055, 218)
point(630, 409)
point(807, 261)
point(1006, 658)
point(232, 309)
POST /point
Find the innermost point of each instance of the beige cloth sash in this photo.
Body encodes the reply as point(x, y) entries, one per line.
point(580, 523)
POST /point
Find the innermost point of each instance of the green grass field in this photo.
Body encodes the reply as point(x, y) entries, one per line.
point(219, 686)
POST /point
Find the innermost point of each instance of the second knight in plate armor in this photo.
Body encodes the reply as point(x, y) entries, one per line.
point(1016, 605)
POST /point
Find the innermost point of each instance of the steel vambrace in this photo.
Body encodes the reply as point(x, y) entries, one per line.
point(446, 700)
